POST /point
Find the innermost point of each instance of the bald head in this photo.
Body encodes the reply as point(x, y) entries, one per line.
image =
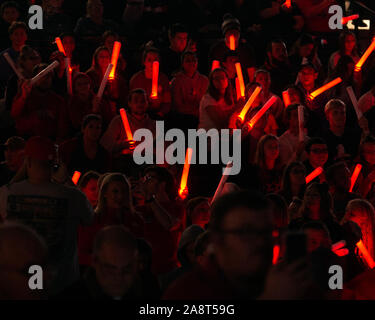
point(20, 247)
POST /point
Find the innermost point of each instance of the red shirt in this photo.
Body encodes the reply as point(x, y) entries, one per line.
point(164, 242)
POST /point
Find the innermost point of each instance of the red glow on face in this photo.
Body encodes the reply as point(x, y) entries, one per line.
point(76, 177)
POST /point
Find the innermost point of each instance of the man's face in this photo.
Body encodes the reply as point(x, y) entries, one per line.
point(318, 155)
point(336, 117)
point(179, 41)
point(91, 191)
point(103, 59)
point(190, 64)
point(306, 50)
point(316, 239)
point(10, 14)
point(279, 52)
point(307, 76)
point(18, 37)
point(138, 104)
point(116, 269)
point(14, 158)
point(244, 246)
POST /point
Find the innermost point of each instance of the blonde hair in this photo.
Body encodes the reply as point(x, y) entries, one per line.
point(363, 210)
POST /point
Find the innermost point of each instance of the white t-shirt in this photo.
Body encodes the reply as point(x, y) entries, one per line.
point(54, 211)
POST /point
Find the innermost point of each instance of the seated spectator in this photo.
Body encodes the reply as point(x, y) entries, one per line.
point(317, 205)
point(267, 161)
point(347, 47)
point(109, 38)
point(54, 212)
point(170, 57)
point(187, 88)
point(317, 156)
point(164, 218)
point(231, 27)
point(38, 110)
point(69, 42)
point(9, 12)
point(338, 178)
point(17, 33)
point(84, 152)
point(160, 106)
point(198, 212)
point(14, 154)
point(88, 184)
point(294, 182)
point(115, 207)
point(114, 272)
point(20, 248)
point(239, 265)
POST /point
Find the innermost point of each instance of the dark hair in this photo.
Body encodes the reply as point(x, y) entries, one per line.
point(280, 217)
point(285, 182)
point(303, 40)
point(252, 200)
point(316, 225)
point(9, 4)
point(16, 25)
point(190, 206)
point(342, 38)
point(341, 69)
point(187, 53)
point(230, 53)
point(332, 170)
point(326, 203)
point(135, 91)
point(89, 175)
point(91, 117)
point(201, 243)
point(148, 50)
point(302, 96)
point(164, 175)
point(94, 64)
point(368, 139)
point(269, 45)
point(214, 93)
point(312, 141)
point(177, 28)
point(109, 33)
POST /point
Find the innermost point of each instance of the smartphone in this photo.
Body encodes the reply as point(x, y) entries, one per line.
point(295, 246)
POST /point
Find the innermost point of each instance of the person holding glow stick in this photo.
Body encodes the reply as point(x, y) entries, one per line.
point(366, 178)
point(316, 151)
point(347, 47)
point(143, 79)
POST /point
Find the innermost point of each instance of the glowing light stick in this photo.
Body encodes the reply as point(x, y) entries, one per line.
point(185, 173)
point(317, 172)
point(232, 43)
point(115, 55)
point(249, 103)
point(366, 255)
point(155, 79)
point(286, 98)
point(215, 65)
point(45, 71)
point(68, 76)
point(345, 20)
point(339, 249)
point(288, 3)
point(104, 81)
point(60, 45)
point(326, 87)
point(276, 253)
point(12, 65)
point(76, 177)
point(355, 175)
point(238, 89)
point(364, 57)
point(223, 180)
point(240, 78)
point(301, 121)
point(126, 125)
point(354, 102)
point(261, 112)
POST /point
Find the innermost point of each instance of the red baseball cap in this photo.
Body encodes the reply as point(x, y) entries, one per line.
point(40, 148)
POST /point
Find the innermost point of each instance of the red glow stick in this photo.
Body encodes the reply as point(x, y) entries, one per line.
point(249, 103)
point(215, 65)
point(115, 55)
point(238, 89)
point(286, 98)
point(345, 20)
point(364, 57)
point(223, 180)
point(354, 177)
point(288, 3)
point(60, 45)
point(76, 177)
point(366, 255)
point(155, 79)
point(68, 76)
point(276, 252)
point(261, 112)
point(240, 78)
point(104, 81)
point(317, 172)
point(126, 125)
point(185, 173)
point(232, 43)
point(327, 86)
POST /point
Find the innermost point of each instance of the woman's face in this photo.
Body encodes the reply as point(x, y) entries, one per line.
point(91, 191)
point(149, 60)
point(258, 100)
point(220, 80)
point(350, 43)
point(369, 153)
point(201, 214)
point(294, 96)
point(82, 86)
point(116, 195)
point(271, 149)
point(263, 80)
point(109, 42)
point(297, 175)
point(312, 199)
point(103, 59)
point(93, 130)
